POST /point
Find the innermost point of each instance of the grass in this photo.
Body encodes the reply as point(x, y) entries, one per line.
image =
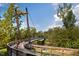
point(3, 52)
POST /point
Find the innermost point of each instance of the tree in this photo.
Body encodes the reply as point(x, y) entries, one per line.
point(33, 32)
point(8, 24)
point(66, 14)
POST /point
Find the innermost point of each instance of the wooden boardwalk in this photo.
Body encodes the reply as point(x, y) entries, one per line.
point(40, 50)
point(21, 50)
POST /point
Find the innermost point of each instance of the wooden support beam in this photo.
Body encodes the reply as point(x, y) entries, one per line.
point(17, 14)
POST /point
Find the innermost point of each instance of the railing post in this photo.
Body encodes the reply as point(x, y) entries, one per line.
point(7, 50)
point(16, 52)
point(41, 51)
point(51, 51)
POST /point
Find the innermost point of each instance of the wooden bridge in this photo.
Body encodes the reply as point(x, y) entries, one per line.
point(39, 50)
point(21, 50)
point(57, 51)
point(26, 49)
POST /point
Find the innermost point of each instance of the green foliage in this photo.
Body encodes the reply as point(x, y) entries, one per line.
point(6, 26)
point(68, 36)
point(3, 52)
point(66, 14)
point(25, 34)
point(62, 37)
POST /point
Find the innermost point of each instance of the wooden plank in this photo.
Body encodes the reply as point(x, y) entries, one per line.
point(56, 50)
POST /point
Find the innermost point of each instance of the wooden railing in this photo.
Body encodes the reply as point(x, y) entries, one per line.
point(12, 51)
point(41, 50)
point(49, 50)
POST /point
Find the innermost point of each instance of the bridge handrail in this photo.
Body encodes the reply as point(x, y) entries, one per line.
point(10, 48)
point(52, 47)
point(55, 50)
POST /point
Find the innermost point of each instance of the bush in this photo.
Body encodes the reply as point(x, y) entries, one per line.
point(3, 52)
point(61, 37)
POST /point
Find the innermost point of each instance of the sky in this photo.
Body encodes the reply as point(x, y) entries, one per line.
point(42, 16)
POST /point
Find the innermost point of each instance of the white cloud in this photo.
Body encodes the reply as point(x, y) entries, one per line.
point(76, 10)
point(57, 18)
point(77, 6)
point(55, 24)
point(58, 22)
point(77, 23)
point(23, 25)
point(76, 13)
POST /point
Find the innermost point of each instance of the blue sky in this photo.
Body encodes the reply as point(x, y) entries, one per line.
point(43, 15)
